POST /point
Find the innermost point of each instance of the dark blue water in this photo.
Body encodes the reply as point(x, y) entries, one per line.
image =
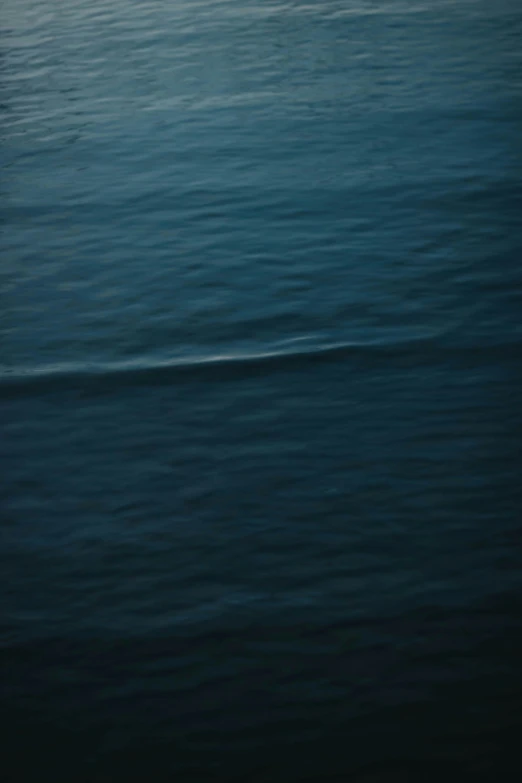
point(260, 345)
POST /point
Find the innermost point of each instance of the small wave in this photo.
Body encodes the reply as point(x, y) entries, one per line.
point(225, 366)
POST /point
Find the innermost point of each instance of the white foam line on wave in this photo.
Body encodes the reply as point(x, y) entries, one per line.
point(98, 369)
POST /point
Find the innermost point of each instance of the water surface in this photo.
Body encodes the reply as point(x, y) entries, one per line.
point(260, 362)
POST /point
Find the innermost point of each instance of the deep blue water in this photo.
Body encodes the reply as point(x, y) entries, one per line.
point(260, 347)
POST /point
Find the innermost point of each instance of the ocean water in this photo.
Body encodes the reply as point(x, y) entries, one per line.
point(260, 348)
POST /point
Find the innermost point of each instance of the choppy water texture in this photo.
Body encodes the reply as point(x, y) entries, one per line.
point(260, 331)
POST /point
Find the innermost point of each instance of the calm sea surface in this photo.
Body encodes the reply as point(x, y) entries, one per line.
point(260, 390)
